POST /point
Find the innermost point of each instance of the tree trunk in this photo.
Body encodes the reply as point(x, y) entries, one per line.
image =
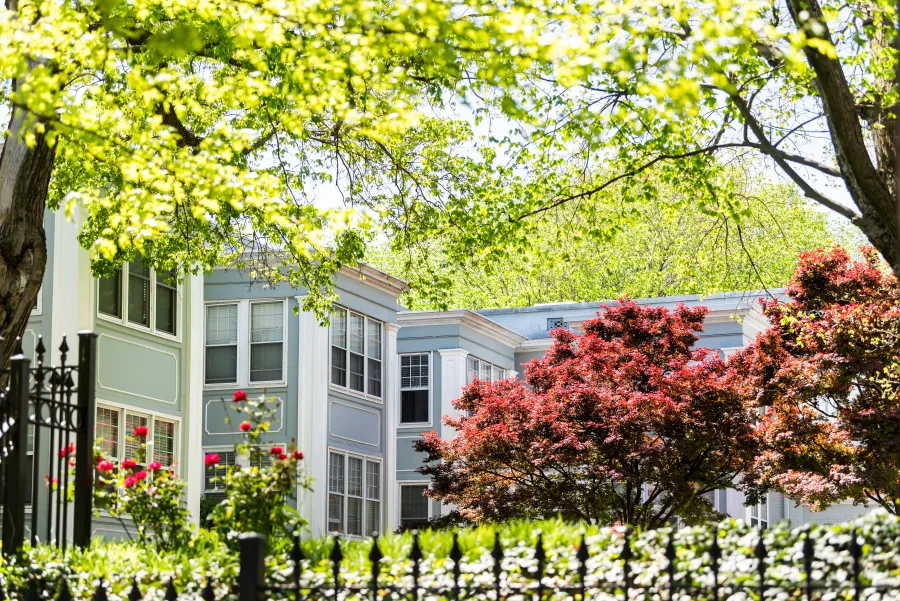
point(24, 181)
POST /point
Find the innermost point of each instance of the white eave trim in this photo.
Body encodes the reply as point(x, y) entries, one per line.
point(535, 345)
point(463, 317)
point(376, 278)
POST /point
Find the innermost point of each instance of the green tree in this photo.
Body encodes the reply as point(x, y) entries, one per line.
point(660, 247)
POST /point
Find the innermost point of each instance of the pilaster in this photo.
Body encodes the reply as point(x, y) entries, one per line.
point(194, 352)
point(391, 409)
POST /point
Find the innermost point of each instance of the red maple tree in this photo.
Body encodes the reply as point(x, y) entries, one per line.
point(827, 373)
point(625, 423)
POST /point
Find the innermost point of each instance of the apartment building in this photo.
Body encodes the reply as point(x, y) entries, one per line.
point(354, 394)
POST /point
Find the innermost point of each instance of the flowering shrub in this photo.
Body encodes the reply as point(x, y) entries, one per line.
point(257, 494)
point(148, 492)
point(208, 560)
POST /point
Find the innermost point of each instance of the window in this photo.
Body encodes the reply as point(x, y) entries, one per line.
point(356, 352)
point(213, 477)
point(266, 341)
point(476, 368)
point(245, 342)
point(414, 388)
point(759, 515)
point(137, 295)
point(354, 495)
point(221, 344)
point(116, 429)
point(413, 505)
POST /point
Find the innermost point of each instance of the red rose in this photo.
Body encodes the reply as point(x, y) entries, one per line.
point(297, 455)
point(129, 463)
point(155, 465)
point(66, 451)
point(130, 481)
point(141, 431)
point(283, 456)
point(246, 426)
point(276, 451)
point(140, 475)
point(105, 466)
point(239, 396)
point(212, 459)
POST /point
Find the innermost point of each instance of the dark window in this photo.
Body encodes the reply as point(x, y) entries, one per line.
point(414, 406)
point(166, 302)
point(110, 294)
point(139, 293)
point(413, 505)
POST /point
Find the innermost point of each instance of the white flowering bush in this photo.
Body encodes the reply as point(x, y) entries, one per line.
point(210, 560)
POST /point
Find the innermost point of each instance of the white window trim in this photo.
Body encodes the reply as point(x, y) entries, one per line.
point(400, 485)
point(504, 373)
point(384, 381)
point(758, 507)
point(400, 421)
point(243, 344)
point(123, 298)
point(381, 501)
point(152, 416)
point(39, 305)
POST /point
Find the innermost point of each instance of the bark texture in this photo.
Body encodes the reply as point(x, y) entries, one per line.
point(24, 180)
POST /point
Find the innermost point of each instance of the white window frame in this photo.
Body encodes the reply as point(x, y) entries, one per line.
point(366, 459)
point(428, 388)
point(151, 416)
point(243, 344)
point(400, 485)
point(759, 509)
point(504, 373)
point(123, 299)
point(239, 460)
point(384, 380)
point(38, 308)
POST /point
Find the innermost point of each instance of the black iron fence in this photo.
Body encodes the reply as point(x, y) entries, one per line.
point(700, 570)
point(46, 446)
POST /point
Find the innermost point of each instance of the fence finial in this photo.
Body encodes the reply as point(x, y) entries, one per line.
point(415, 554)
point(171, 593)
point(670, 557)
point(456, 557)
point(375, 557)
point(582, 555)
point(336, 557)
point(715, 554)
point(761, 552)
point(39, 349)
point(100, 593)
point(17, 349)
point(208, 594)
point(64, 593)
point(135, 593)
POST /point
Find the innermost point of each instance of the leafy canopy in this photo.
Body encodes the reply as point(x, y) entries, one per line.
point(624, 424)
point(827, 371)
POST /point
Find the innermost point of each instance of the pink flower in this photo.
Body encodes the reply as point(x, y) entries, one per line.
point(246, 426)
point(276, 451)
point(155, 465)
point(105, 466)
point(129, 463)
point(130, 481)
point(283, 456)
point(140, 475)
point(66, 451)
point(141, 431)
point(297, 455)
point(212, 459)
point(239, 396)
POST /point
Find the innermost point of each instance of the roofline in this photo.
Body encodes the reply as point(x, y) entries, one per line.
point(463, 317)
point(376, 278)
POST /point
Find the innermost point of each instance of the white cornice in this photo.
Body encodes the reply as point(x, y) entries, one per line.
point(535, 345)
point(462, 317)
point(453, 352)
point(377, 279)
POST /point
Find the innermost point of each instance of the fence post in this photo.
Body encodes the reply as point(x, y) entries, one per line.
point(18, 479)
point(253, 566)
point(84, 439)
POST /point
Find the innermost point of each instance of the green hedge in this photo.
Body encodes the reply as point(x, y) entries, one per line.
point(208, 558)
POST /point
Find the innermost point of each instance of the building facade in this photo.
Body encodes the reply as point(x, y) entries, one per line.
point(353, 394)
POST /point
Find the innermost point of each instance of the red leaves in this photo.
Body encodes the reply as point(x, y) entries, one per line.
point(627, 406)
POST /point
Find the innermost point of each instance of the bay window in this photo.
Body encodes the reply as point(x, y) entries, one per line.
point(115, 433)
point(356, 352)
point(484, 371)
point(354, 494)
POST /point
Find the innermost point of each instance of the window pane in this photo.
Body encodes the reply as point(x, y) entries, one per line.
point(485, 373)
point(110, 294)
point(414, 371)
point(373, 480)
point(335, 513)
point(132, 442)
point(414, 406)
point(213, 477)
point(166, 304)
point(266, 322)
point(107, 428)
point(354, 516)
point(471, 368)
point(374, 377)
point(338, 366)
point(496, 373)
point(357, 326)
point(413, 504)
point(374, 340)
point(139, 293)
point(266, 362)
point(335, 473)
point(164, 442)
point(357, 378)
point(354, 476)
point(221, 364)
point(221, 324)
point(339, 327)
point(373, 518)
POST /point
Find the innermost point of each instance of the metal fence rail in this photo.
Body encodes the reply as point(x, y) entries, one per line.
point(538, 580)
point(46, 428)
